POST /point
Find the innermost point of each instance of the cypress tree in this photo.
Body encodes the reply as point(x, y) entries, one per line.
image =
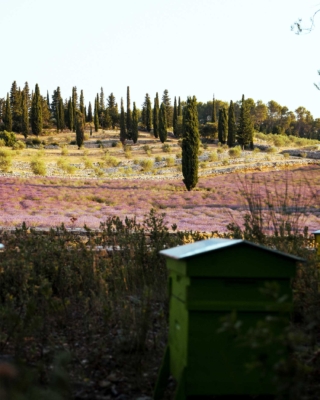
point(222, 125)
point(74, 106)
point(48, 100)
point(15, 104)
point(156, 116)
point(167, 102)
point(135, 131)
point(36, 112)
point(107, 119)
point(179, 108)
point(245, 127)
point(7, 115)
point(123, 132)
point(82, 103)
point(148, 111)
point(113, 110)
point(190, 144)
point(175, 116)
point(214, 111)
point(24, 117)
point(61, 114)
point(89, 112)
point(163, 134)
point(101, 101)
point(70, 123)
point(79, 129)
point(96, 115)
point(129, 115)
point(232, 127)
point(26, 90)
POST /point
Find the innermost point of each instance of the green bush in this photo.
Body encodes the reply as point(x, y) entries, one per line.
point(213, 156)
point(2, 143)
point(38, 166)
point(146, 164)
point(8, 137)
point(5, 159)
point(19, 145)
point(170, 161)
point(166, 148)
point(111, 161)
point(65, 166)
point(158, 159)
point(272, 149)
point(286, 155)
point(235, 152)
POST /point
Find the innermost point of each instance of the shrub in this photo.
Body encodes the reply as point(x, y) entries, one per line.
point(64, 151)
point(38, 166)
point(65, 166)
point(286, 155)
point(158, 159)
point(303, 154)
point(203, 164)
point(272, 149)
point(111, 161)
point(170, 161)
point(166, 148)
point(179, 155)
point(256, 150)
point(114, 144)
point(146, 148)
point(5, 159)
point(19, 145)
point(2, 143)
point(146, 165)
point(235, 152)
point(220, 150)
point(8, 137)
point(213, 156)
point(87, 163)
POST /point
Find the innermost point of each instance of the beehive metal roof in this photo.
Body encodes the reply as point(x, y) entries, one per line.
point(210, 245)
point(316, 232)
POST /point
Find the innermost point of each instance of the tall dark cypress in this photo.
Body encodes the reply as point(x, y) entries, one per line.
point(7, 115)
point(148, 109)
point(179, 108)
point(129, 115)
point(190, 144)
point(123, 132)
point(163, 134)
point(214, 110)
point(167, 102)
point(61, 114)
point(70, 122)
point(79, 129)
point(135, 131)
point(232, 127)
point(96, 115)
point(89, 112)
point(245, 127)
point(175, 116)
point(156, 116)
point(222, 125)
point(24, 117)
point(48, 100)
point(82, 103)
point(74, 105)
point(36, 112)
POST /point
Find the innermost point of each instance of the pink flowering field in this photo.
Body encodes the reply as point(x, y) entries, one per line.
point(217, 201)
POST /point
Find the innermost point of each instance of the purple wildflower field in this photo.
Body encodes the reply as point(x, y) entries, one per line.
point(217, 201)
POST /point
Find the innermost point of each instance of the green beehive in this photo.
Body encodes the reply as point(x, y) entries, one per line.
point(207, 280)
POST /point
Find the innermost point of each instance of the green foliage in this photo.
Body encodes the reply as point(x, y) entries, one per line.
point(169, 111)
point(36, 112)
point(123, 130)
point(235, 152)
point(66, 166)
point(19, 145)
point(148, 110)
point(7, 117)
point(156, 116)
point(222, 125)
point(163, 134)
point(9, 138)
point(232, 127)
point(38, 166)
point(79, 129)
point(245, 127)
point(190, 144)
point(175, 116)
point(134, 130)
point(5, 159)
point(146, 164)
point(209, 130)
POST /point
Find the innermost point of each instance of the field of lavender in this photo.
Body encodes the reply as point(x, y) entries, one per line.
point(217, 201)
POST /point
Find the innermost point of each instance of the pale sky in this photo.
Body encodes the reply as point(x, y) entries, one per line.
point(190, 47)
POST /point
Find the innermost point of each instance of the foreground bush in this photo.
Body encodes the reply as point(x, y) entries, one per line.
point(5, 159)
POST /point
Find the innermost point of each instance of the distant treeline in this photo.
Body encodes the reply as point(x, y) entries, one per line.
point(29, 112)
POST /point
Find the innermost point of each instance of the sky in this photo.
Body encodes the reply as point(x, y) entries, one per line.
point(224, 48)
